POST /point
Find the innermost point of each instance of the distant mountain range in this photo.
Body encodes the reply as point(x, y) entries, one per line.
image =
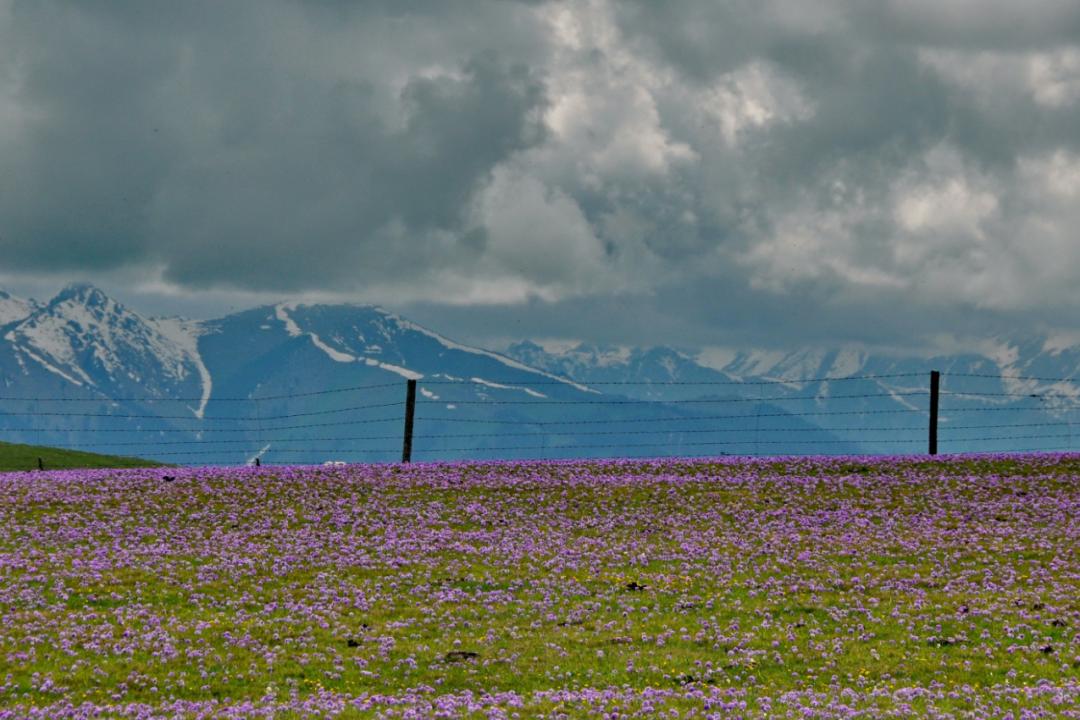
point(308, 383)
point(1016, 395)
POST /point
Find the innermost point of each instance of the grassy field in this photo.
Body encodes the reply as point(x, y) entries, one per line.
point(810, 588)
point(15, 457)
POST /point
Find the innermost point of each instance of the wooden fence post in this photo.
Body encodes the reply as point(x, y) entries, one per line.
point(935, 385)
point(410, 410)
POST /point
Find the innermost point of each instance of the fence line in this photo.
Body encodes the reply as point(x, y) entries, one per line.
point(692, 401)
point(561, 436)
point(668, 383)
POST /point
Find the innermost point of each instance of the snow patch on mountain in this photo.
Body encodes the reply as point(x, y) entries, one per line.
point(575, 355)
point(606, 356)
point(755, 363)
point(1059, 342)
point(655, 373)
point(1005, 354)
point(848, 361)
point(397, 369)
point(715, 358)
point(184, 334)
point(498, 386)
point(335, 355)
point(798, 367)
point(900, 399)
point(50, 367)
point(282, 311)
point(451, 345)
point(13, 309)
point(50, 337)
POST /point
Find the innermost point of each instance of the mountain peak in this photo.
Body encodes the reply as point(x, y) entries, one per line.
point(82, 293)
point(89, 339)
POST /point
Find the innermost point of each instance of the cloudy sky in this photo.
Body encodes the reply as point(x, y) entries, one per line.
point(700, 173)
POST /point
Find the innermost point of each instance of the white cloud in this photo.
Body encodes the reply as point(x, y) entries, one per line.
point(1055, 77)
point(942, 210)
point(813, 242)
point(949, 207)
point(1045, 78)
point(751, 97)
point(514, 152)
point(538, 236)
point(603, 107)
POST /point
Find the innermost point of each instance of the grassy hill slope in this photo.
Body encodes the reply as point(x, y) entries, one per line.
point(25, 457)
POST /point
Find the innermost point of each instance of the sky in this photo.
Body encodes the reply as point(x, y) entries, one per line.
point(701, 173)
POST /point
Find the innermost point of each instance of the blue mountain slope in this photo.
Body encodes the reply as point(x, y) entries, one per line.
point(305, 383)
point(879, 401)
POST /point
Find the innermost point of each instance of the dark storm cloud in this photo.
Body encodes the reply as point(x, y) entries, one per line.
point(350, 180)
point(971, 24)
point(211, 143)
point(813, 164)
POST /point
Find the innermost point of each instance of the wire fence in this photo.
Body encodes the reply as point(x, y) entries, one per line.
point(547, 418)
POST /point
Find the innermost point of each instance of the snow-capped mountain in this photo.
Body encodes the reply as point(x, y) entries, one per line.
point(13, 309)
point(803, 363)
point(94, 342)
point(302, 383)
point(1014, 394)
point(305, 348)
point(656, 373)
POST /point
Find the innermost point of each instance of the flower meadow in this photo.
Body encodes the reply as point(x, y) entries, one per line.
point(723, 588)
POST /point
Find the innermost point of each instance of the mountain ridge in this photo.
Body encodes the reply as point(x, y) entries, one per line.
point(1022, 384)
point(301, 381)
point(238, 382)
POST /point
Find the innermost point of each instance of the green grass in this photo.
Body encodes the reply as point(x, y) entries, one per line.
point(25, 457)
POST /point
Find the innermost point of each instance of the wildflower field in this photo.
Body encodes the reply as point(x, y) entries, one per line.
point(727, 588)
